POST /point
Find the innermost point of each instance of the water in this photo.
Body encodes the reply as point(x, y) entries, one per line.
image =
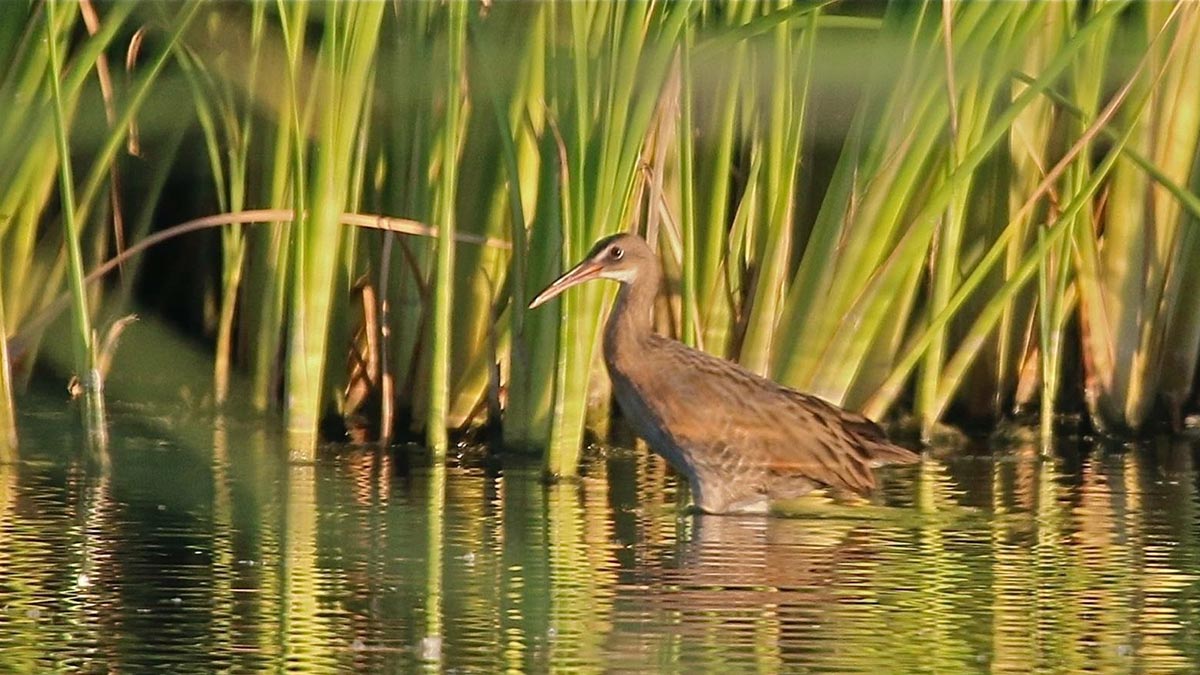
point(194, 548)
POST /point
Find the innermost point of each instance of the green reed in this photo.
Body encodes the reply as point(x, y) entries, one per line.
point(1033, 258)
point(533, 260)
point(1019, 361)
point(337, 92)
point(443, 285)
point(284, 183)
point(605, 115)
point(228, 126)
point(42, 131)
point(1130, 279)
point(8, 422)
point(85, 357)
point(936, 254)
point(866, 251)
point(780, 131)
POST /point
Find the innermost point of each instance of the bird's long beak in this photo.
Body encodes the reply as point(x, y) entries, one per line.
point(584, 271)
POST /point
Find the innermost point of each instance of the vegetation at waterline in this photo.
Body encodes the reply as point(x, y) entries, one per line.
point(958, 209)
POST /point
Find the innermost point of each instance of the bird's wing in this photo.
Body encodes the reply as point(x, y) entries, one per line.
point(708, 403)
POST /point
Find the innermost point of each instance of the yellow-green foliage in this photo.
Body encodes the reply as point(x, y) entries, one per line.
point(910, 205)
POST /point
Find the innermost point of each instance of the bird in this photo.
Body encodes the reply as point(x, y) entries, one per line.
point(741, 440)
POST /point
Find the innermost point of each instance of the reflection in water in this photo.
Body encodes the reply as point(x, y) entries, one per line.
point(197, 547)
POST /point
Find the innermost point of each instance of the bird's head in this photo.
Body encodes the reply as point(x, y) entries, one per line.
point(621, 257)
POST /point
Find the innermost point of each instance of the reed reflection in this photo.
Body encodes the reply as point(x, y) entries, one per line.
point(1002, 559)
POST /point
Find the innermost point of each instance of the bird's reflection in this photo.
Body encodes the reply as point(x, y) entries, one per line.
point(766, 585)
point(745, 551)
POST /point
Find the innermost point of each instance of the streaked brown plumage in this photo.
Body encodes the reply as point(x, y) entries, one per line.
point(741, 440)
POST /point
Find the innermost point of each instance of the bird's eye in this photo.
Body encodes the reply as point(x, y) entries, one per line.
point(616, 253)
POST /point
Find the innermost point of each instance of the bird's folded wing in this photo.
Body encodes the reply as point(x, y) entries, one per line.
point(710, 405)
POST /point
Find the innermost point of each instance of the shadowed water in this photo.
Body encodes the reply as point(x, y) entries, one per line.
point(194, 547)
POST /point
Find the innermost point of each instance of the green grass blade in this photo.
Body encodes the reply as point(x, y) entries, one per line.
point(973, 341)
point(439, 376)
point(84, 355)
point(342, 87)
point(687, 180)
point(8, 407)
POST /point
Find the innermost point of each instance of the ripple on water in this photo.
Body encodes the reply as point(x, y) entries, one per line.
point(198, 549)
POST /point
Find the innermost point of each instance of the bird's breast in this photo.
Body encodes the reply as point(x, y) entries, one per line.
point(642, 415)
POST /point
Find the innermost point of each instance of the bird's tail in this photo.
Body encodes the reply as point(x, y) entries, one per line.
point(881, 453)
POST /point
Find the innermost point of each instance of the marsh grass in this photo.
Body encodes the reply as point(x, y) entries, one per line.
point(988, 209)
point(447, 203)
point(8, 422)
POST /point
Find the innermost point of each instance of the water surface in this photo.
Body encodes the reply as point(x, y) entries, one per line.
point(192, 546)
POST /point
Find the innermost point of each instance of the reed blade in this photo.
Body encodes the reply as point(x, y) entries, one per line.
point(443, 286)
point(82, 339)
point(8, 406)
point(338, 91)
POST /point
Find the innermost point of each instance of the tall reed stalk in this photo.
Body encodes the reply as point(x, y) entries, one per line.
point(443, 287)
point(970, 90)
point(531, 177)
point(8, 421)
point(1129, 280)
point(227, 122)
point(1052, 278)
point(602, 117)
point(866, 252)
point(937, 253)
point(769, 246)
point(41, 131)
point(284, 182)
point(716, 248)
point(1030, 148)
point(82, 339)
point(342, 77)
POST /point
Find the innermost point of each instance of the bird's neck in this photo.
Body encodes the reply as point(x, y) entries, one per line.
point(632, 318)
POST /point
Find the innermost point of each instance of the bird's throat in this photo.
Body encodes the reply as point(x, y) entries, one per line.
point(632, 319)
